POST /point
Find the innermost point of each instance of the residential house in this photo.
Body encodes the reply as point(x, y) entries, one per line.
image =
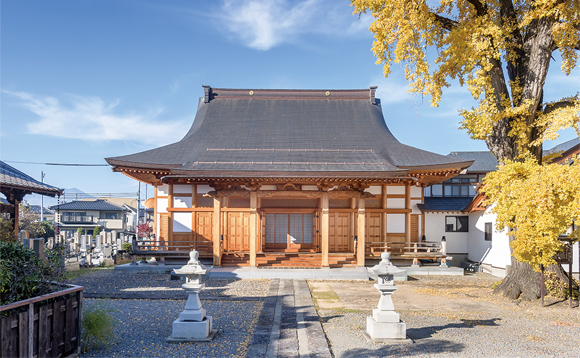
point(307, 173)
point(88, 214)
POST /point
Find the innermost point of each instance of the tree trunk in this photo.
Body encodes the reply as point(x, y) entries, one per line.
point(522, 281)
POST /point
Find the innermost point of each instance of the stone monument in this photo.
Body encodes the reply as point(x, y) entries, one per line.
point(385, 325)
point(192, 325)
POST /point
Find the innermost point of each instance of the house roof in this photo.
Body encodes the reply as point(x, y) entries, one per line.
point(13, 179)
point(308, 133)
point(484, 161)
point(95, 205)
point(433, 204)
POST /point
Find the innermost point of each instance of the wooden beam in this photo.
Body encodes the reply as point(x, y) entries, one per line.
point(216, 225)
point(253, 227)
point(325, 229)
point(360, 254)
point(169, 213)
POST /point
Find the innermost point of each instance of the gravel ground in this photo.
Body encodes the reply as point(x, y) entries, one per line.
point(144, 307)
point(107, 284)
point(142, 326)
point(513, 329)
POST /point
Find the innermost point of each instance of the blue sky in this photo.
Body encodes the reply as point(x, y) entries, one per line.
point(85, 80)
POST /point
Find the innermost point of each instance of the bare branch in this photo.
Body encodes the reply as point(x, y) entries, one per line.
point(445, 22)
point(557, 105)
point(479, 7)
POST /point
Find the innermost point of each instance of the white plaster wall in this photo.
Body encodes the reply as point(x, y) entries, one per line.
point(182, 222)
point(182, 189)
point(495, 252)
point(182, 202)
point(305, 187)
point(414, 207)
point(397, 189)
point(395, 203)
point(162, 204)
point(396, 223)
point(416, 191)
point(202, 189)
point(163, 190)
point(268, 187)
point(457, 242)
point(375, 190)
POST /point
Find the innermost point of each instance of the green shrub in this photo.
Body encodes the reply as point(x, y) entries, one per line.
point(22, 274)
point(127, 246)
point(97, 327)
point(81, 231)
point(6, 230)
point(96, 231)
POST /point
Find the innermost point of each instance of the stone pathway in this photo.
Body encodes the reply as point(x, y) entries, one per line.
point(288, 325)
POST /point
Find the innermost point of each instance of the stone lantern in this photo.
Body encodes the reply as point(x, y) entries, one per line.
point(385, 324)
point(192, 325)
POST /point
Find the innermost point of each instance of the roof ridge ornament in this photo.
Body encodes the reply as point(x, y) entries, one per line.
point(372, 91)
point(207, 93)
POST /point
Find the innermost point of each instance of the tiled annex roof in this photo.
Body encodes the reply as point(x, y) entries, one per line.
point(288, 132)
point(94, 205)
point(12, 178)
point(433, 204)
point(483, 161)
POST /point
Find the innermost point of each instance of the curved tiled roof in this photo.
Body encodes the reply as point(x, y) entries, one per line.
point(288, 132)
point(12, 178)
point(484, 161)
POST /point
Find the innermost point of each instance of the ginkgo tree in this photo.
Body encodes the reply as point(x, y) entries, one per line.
point(501, 51)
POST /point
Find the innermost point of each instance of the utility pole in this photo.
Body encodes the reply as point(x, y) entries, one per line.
point(41, 198)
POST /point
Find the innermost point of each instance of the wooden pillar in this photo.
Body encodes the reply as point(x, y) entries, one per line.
point(384, 214)
point(216, 225)
point(360, 255)
point(15, 216)
point(253, 227)
point(170, 213)
point(422, 213)
point(155, 215)
point(325, 229)
point(408, 212)
point(352, 219)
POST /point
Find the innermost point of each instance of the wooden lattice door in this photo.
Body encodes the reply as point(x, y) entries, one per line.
point(238, 232)
point(339, 232)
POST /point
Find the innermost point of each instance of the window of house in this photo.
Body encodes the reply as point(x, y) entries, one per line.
point(456, 223)
point(111, 215)
point(488, 231)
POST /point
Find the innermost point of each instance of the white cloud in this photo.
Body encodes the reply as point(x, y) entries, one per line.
point(93, 119)
point(391, 91)
point(263, 24)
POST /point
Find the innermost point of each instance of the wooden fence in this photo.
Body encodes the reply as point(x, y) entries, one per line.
point(43, 326)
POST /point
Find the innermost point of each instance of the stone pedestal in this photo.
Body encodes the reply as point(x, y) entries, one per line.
point(385, 324)
point(193, 325)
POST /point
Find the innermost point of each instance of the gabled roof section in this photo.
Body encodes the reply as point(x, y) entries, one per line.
point(483, 161)
point(288, 132)
point(12, 178)
point(95, 205)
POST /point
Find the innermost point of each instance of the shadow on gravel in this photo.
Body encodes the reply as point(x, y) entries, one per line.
point(407, 350)
point(427, 332)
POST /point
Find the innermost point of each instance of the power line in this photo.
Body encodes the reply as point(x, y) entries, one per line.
point(59, 164)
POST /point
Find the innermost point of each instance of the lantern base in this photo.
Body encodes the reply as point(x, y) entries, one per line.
point(395, 331)
point(190, 331)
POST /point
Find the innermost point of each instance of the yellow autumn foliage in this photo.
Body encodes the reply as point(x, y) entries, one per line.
point(535, 203)
point(471, 41)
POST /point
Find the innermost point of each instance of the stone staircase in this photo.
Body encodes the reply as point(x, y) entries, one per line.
point(290, 260)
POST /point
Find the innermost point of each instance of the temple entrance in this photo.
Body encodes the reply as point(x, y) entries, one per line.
point(289, 231)
point(339, 232)
point(237, 232)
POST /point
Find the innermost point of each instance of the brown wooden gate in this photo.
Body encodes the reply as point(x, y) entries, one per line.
point(414, 228)
point(373, 228)
point(237, 236)
point(339, 232)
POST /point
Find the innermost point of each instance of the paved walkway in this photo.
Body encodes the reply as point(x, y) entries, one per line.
point(288, 325)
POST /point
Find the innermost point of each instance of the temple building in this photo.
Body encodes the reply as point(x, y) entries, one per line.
point(287, 177)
